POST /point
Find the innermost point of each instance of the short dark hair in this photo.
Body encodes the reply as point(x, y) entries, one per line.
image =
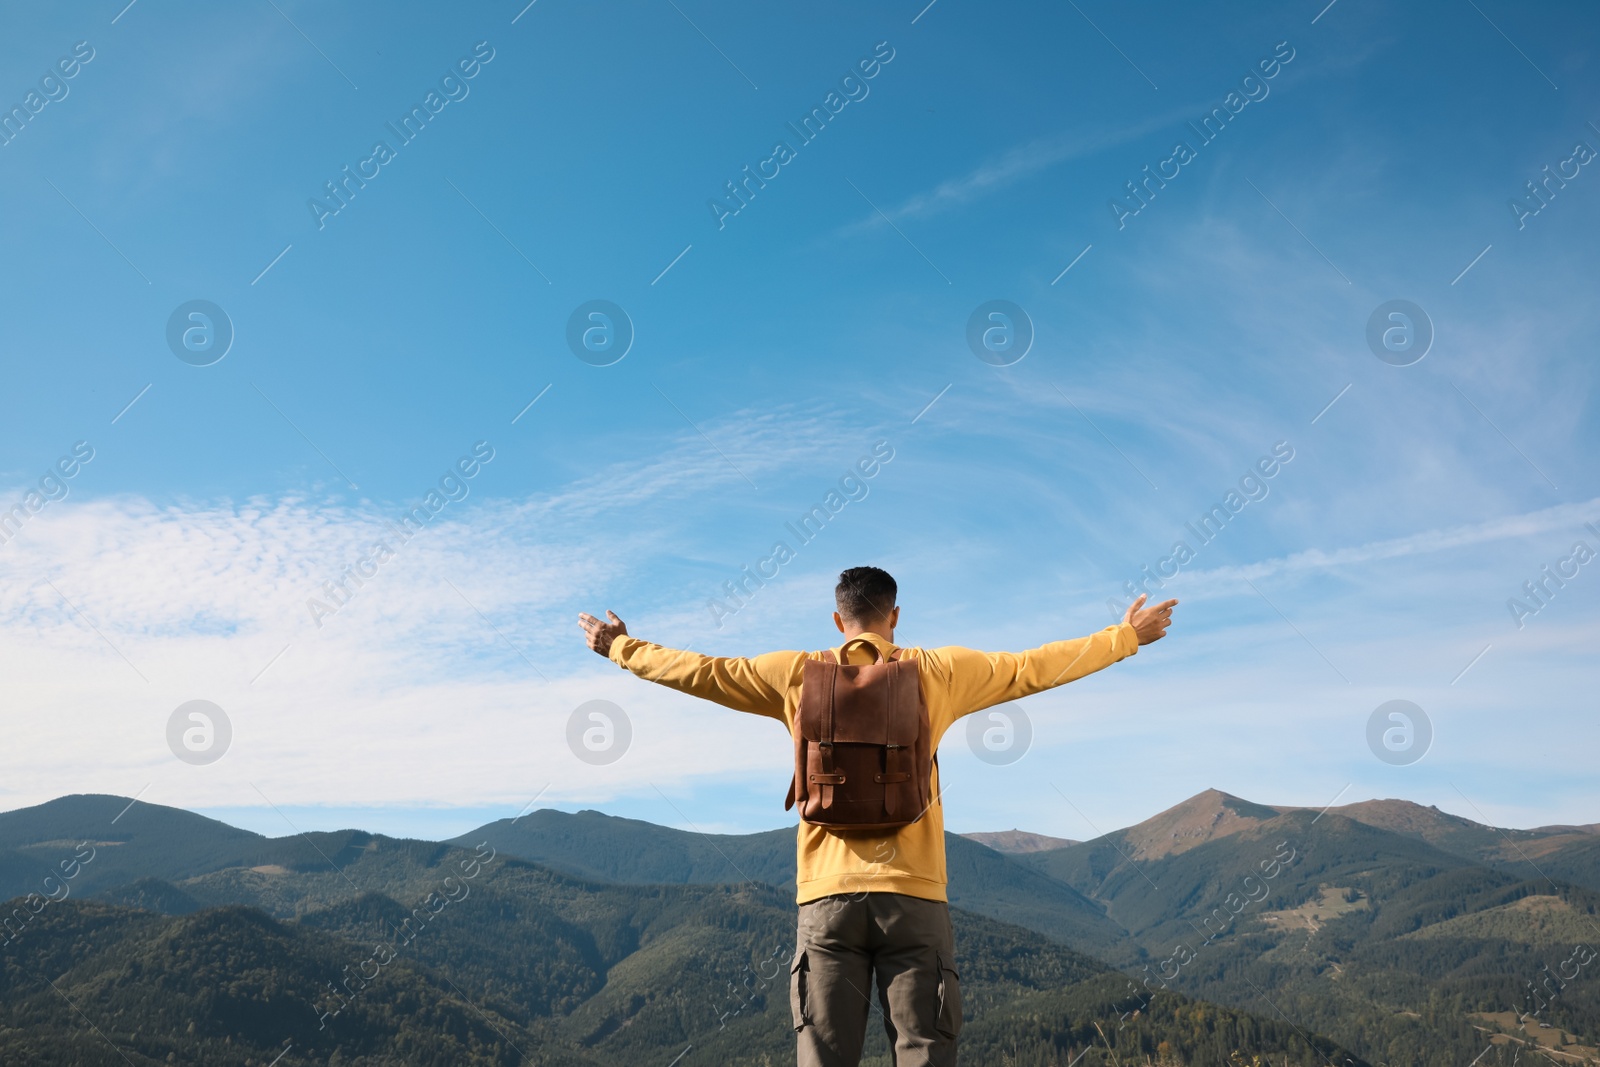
point(865, 594)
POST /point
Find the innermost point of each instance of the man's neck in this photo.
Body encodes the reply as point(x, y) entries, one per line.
point(879, 629)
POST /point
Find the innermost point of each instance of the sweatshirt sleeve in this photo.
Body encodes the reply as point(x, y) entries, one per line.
point(754, 685)
point(978, 680)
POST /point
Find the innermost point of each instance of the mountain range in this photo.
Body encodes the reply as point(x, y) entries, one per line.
point(1382, 933)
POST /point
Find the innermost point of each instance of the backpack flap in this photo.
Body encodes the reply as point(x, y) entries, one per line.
point(859, 731)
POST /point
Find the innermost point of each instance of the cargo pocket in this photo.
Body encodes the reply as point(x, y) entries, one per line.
point(949, 1020)
point(797, 989)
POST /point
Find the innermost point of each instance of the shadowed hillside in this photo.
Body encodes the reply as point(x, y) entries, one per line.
point(518, 964)
point(593, 845)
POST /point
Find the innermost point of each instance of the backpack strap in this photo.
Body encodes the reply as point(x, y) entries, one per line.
point(821, 782)
point(800, 743)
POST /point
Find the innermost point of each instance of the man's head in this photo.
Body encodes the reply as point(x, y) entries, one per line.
point(865, 597)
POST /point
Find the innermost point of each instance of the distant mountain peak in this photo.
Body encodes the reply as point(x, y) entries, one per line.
point(1460, 835)
point(1402, 816)
point(106, 817)
point(1204, 817)
point(1016, 842)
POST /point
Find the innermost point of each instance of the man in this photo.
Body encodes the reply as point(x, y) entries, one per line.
point(874, 904)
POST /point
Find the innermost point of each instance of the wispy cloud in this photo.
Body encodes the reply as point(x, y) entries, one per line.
point(1010, 167)
point(1560, 517)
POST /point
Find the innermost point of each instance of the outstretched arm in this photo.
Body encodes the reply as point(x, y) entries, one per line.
point(979, 680)
point(754, 685)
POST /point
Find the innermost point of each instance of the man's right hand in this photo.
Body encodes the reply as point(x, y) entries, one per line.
point(601, 634)
point(1149, 623)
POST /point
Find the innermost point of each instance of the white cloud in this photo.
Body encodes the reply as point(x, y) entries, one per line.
point(445, 678)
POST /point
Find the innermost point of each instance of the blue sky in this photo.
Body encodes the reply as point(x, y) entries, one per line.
point(375, 346)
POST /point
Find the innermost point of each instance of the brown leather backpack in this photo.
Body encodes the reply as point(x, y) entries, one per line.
point(861, 744)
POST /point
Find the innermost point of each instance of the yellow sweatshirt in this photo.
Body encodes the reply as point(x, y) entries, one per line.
point(955, 682)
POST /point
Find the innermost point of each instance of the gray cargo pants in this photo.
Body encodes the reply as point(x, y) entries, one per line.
point(908, 944)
